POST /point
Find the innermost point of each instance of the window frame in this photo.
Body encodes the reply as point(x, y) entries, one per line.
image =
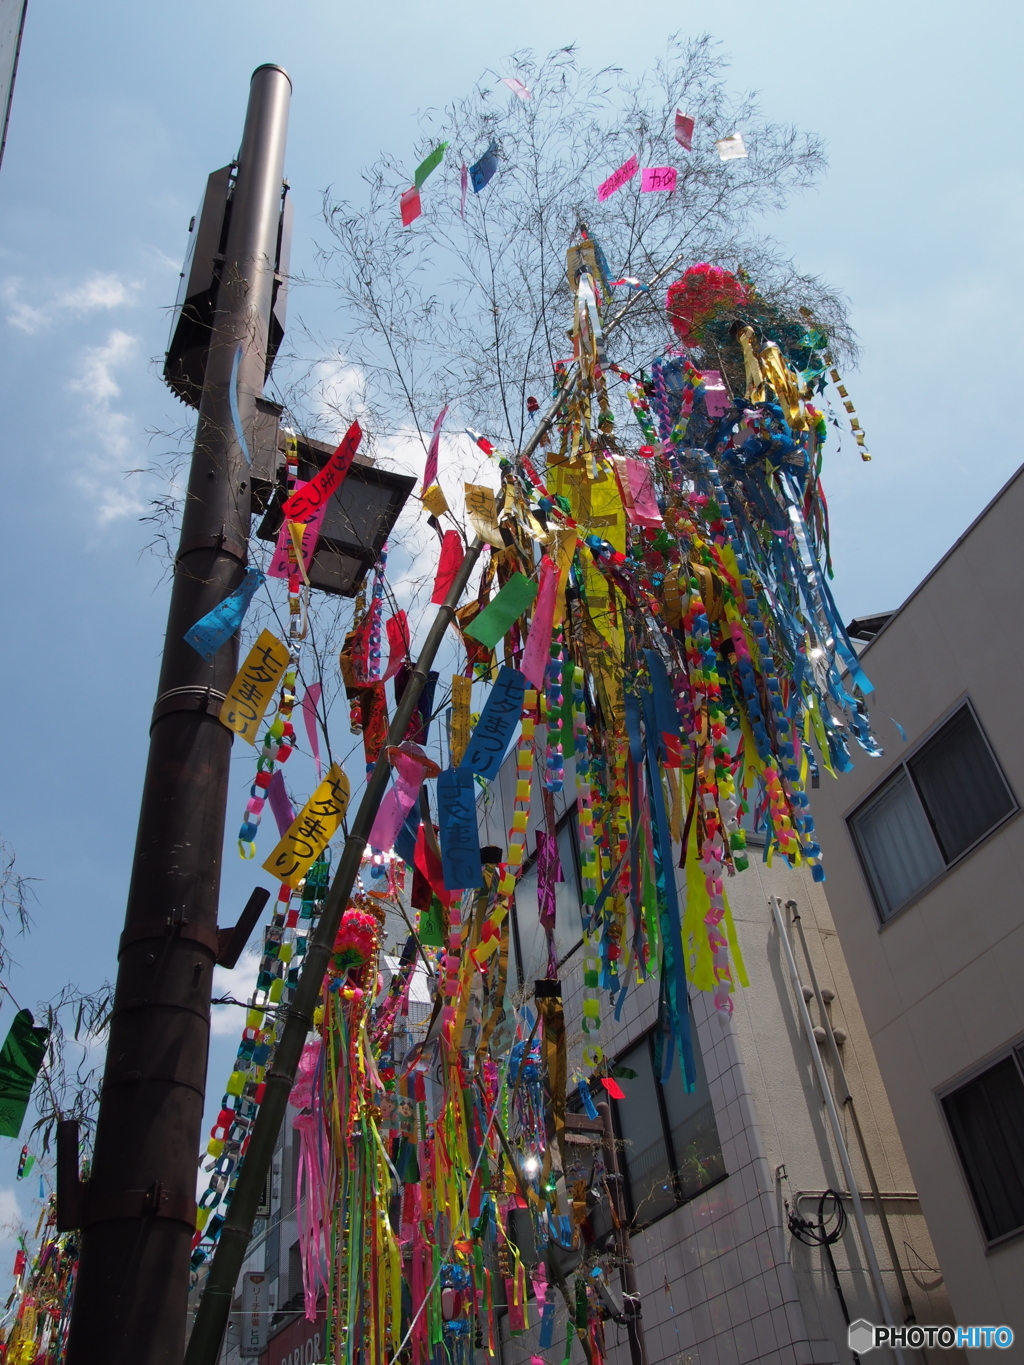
point(572, 874)
point(1015, 1052)
point(875, 793)
point(681, 1199)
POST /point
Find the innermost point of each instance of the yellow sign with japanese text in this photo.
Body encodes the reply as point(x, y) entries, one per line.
point(482, 514)
point(462, 691)
point(311, 830)
point(249, 696)
point(435, 501)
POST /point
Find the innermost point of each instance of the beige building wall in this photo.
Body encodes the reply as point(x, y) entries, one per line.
point(940, 984)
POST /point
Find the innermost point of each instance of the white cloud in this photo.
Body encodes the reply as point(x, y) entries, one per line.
point(10, 1213)
point(103, 470)
point(13, 1221)
point(239, 982)
point(338, 392)
point(101, 291)
point(22, 315)
point(97, 293)
point(96, 379)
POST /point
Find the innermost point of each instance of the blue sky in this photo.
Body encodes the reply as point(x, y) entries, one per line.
point(120, 112)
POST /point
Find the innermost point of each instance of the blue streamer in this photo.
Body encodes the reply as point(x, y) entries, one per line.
point(216, 628)
point(588, 1103)
point(457, 829)
point(497, 724)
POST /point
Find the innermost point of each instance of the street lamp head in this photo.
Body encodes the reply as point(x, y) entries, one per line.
point(359, 518)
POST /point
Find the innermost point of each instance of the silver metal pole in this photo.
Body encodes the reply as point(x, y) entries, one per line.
point(837, 1131)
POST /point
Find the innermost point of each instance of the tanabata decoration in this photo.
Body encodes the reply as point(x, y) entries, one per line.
point(674, 671)
point(731, 148)
point(279, 739)
point(617, 179)
point(482, 172)
point(429, 164)
point(433, 451)
point(311, 830)
point(37, 1315)
point(217, 627)
point(249, 695)
point(284, 946)
point(657, 178)
point(684, 130)
point(451, 557)
point(841, 389)
point(410, 205)
point(20, 1059)
point(310, 702)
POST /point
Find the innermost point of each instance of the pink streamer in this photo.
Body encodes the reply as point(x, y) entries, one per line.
point(314, 1195)
point(309, 704)
point(617, 179)
point(538, 647)
point(430, 470)
point(657, 178)
point(398, 802)
point(279, 565)
point(277, 795)
point(465, 187)
point(645, 510)
point(418, 1294)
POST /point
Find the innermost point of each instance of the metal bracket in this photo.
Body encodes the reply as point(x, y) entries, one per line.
point(231, 942)
point(156, 1202)
point(225, 944)
point(209, 937)
point(70, 1187)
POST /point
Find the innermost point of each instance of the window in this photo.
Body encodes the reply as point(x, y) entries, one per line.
point(530, 940)
point(986, 1118)
point(671, 1151)
point(943, 799)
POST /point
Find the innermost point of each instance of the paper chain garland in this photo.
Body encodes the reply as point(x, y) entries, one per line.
point(284, 945)
point(279, 741)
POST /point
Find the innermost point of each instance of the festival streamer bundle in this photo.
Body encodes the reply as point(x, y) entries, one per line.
point(34, 1327)
point(672, 669)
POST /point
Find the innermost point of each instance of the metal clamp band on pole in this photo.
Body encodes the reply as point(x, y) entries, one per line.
point(837, 1130)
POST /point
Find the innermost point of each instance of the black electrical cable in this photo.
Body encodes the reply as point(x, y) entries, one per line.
point(818, 1235)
